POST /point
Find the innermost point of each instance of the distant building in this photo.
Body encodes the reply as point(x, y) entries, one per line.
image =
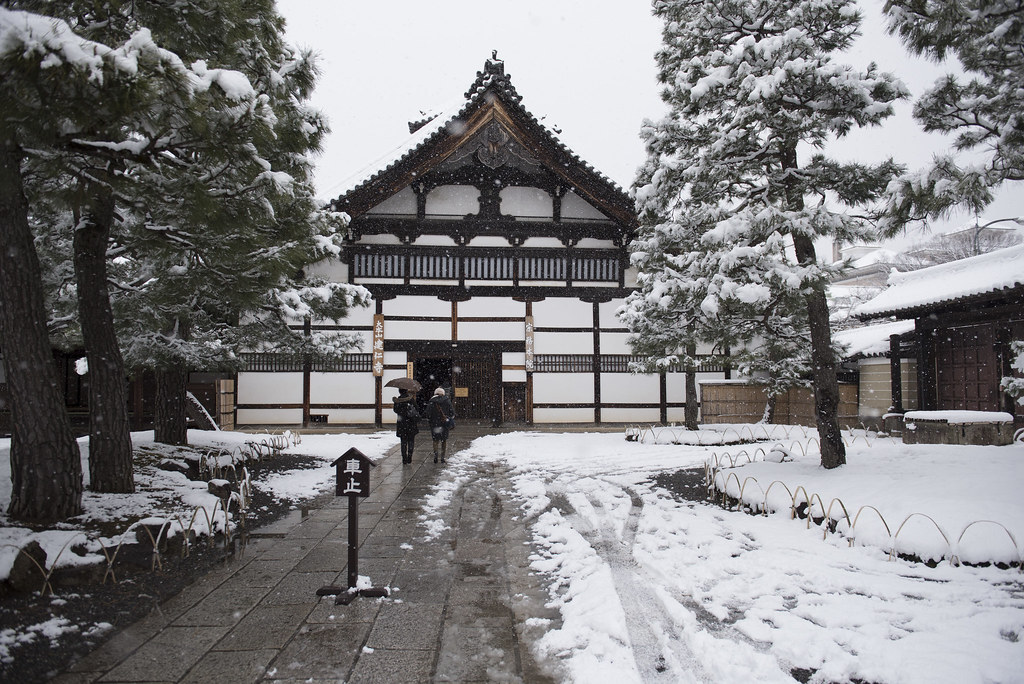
point(497, 259)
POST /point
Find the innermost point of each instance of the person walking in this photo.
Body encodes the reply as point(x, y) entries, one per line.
point(441, 417)
point(408, 422)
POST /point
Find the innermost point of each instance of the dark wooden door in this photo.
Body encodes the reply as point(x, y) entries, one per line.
point(967, 369)
point(514, 410)
point(476, 386)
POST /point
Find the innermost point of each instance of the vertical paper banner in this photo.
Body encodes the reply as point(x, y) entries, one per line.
point(378, 344)
point(529, 343)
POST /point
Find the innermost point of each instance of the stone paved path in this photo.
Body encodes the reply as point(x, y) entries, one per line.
point(459, 612)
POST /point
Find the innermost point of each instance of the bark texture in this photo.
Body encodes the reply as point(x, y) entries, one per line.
point(170, 410)
point(46, 466)
point(690, 412)
point(110, 444)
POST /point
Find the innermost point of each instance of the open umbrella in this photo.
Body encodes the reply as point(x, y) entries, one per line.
point(404, 383)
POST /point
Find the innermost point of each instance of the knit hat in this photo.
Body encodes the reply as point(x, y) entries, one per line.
point(439, 392)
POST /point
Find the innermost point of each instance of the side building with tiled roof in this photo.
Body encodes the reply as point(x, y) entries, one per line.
point(496, 258)
point(965, 313)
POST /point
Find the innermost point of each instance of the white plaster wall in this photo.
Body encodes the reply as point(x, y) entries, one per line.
point(492, 306)
point(269, 417)
point(395, 357)
point(563, 343)
point(526, 202)
point(277, 388)
point(575, 207)
point(675, 386)
point(630, 415)
point(615, 343)
point(563, 312)
point(340, 388)
point(401, 204)
point(563, 388)
point(513, 358)
point(416, 306)
point(629, 277)
point(350, 416)
point(502, 330)
point(606, 314)
point(488, 241)
point(453, 200)
point(594, 243)
point(380, 239)
point(417, 330)
point(434, 241)
point(622, 388)
point(513, 375)
point(572, 415)
point(543, 242)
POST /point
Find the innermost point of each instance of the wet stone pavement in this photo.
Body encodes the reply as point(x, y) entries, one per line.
point(458, 612)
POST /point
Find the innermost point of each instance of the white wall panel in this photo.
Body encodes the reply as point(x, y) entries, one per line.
point(402, 203)
point(572, 415)
point(341, 388)
point(434, 241)
point(488, 241)
point(330, 269)
point(417, 330)
point(513, 376)
point(563, 343)
point(563, 388)
point(269, 388)
point(575, 207)
point(631, 415)
point(379, 239)
point(615, 343)
point(503, 330)
point(563, 312)
point(492, 306)
point(269, 417)
point(350, 416)
point(620, 388)
point(359, 315)
point(675, 385)
point(606, 314)
point(453, 200)
point(522, 201)
point(543, 242)
point(416, 306)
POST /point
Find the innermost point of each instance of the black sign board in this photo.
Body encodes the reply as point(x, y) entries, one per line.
point(352, 470)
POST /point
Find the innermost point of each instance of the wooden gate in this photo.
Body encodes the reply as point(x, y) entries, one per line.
point(967, 369)
point(476, 385)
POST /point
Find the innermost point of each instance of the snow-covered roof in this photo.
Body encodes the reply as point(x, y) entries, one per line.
point(450, 121)
point(927, 287)
point(871, 340)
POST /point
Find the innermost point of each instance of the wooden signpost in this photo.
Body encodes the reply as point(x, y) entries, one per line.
point(352, 472)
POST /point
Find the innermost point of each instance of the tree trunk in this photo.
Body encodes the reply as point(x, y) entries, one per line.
point(823, 363)
point(690, 411)
point(110, 443)
point(823, 360)
point(170, 410)
point(46, 465)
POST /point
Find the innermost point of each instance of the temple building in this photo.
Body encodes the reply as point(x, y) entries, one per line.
point(496, 258)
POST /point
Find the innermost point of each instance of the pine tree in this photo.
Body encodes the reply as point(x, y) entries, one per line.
point(55, 86)
point(983, 113)
point(751, 86)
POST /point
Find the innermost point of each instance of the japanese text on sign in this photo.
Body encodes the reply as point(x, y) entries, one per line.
point(529, 343)
point(378, 345)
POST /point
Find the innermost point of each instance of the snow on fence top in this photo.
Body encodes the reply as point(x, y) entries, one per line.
point(960, 416)
point(977, 275)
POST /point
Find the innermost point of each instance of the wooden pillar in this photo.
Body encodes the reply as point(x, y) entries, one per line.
point(378, 411)
point(663, 389)
point(597, 363)
point(529, 374)
point(927, 387)
point(307, 368)
point(895, 374)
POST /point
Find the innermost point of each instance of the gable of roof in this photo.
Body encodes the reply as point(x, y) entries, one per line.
point(915, 292)
point(491, 99)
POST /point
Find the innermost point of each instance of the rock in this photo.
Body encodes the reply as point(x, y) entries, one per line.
point(29, 570)
point(220, 488)
point(174, 466)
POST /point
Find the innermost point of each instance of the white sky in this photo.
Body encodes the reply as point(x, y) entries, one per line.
point(586, 66)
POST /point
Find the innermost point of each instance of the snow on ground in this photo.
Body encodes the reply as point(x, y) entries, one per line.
point(653, 589)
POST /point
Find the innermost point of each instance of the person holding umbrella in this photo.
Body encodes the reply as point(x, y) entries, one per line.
point(404, 406)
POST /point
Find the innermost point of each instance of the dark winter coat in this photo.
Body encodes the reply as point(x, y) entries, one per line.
point(408, 416)
point(439, 410)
